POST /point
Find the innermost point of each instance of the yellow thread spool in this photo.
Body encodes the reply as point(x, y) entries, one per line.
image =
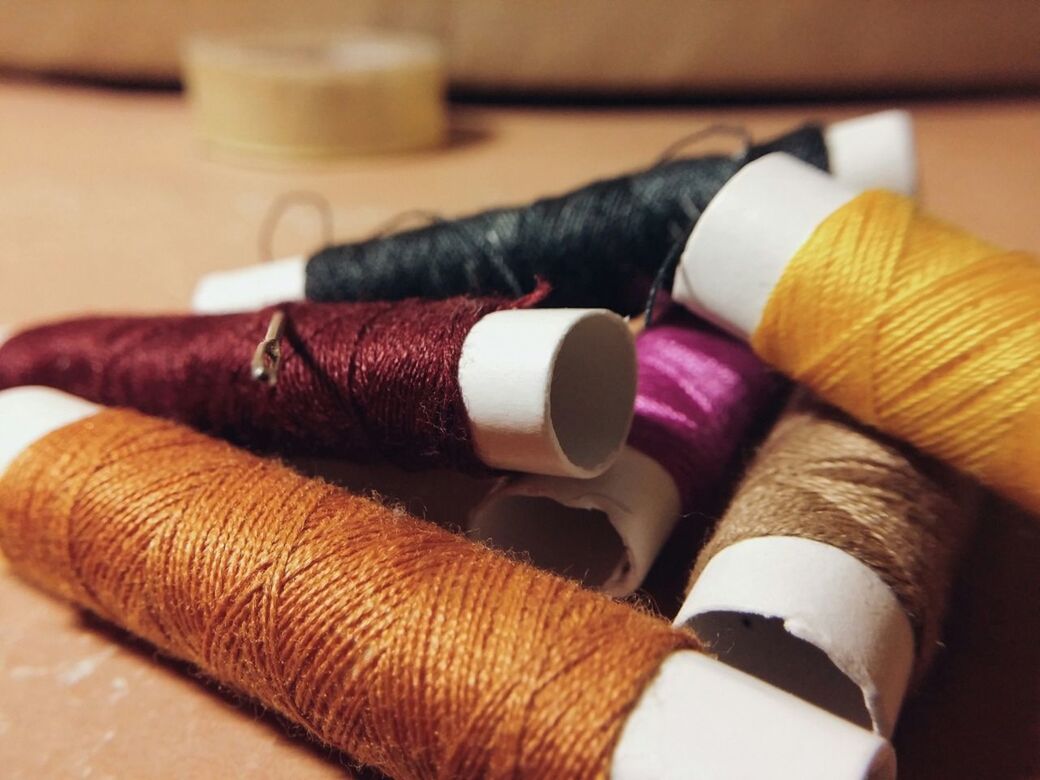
point(316, 95)
point(907, 323)
point(923, 331)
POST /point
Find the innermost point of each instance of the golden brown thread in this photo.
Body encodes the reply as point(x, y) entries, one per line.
point(397, 642)
point(820, 476)
point(920, 330)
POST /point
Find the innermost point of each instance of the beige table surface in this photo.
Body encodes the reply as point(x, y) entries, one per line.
point(107, 203)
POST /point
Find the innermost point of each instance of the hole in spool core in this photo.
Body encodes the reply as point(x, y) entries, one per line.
point(581, 544)
point(762, 647)
point(593, 390)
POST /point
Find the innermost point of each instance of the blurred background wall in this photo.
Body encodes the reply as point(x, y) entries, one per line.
point(603, 46)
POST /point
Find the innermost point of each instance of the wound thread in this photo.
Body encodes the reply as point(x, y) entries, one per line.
point(394, 641)
point(356, 380)
point(700, 392)
point(920, 330)
point(601, 245)
point(821, 476)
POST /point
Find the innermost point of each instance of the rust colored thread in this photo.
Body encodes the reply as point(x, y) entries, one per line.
point(399, 643)
point(823, 477)
point(356, 379)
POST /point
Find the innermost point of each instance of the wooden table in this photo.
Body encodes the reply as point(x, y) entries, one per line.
point(108, 203)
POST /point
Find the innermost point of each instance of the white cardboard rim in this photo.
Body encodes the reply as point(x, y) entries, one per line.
point(699, 718)
point(549, 391)
point(874, 151)
point(740, 246)
point(252, 287)
point(826, 597)
point(27, 414)
point(636, 495)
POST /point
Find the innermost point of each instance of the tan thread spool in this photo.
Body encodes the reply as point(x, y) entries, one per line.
point(296, 94)
point(822, 477)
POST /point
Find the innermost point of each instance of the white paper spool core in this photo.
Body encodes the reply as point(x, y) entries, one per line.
point(27, 414)
point(605, 531)
point(702, 720)
point(549, 391)
point(740, 246)
point(873, 151)
point(808, 618)
point(697, 718)
point(250, 288)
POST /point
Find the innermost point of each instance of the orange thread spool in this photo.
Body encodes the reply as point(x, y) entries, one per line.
point(390, 639)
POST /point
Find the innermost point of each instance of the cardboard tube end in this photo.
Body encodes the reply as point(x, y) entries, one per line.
point(808, 618)
point(30, 413)
point(701, 718)
point(250, 288)
point(874, 151)
point(549, 391)
point(742, 243)
point(605, 531)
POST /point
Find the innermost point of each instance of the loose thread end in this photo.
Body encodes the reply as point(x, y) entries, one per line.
point(671, 152)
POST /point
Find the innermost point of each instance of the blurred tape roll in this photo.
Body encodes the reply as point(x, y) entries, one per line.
point(316, 94)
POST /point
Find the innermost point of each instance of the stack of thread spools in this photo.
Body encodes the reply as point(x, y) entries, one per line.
point(894, 358)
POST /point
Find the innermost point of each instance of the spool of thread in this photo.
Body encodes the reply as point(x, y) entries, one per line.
point(461, 383)
point(600, 245)
point(316, 94)
point(401, 644)
point(908, 324)
point(698, 394)
point(830, 572)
